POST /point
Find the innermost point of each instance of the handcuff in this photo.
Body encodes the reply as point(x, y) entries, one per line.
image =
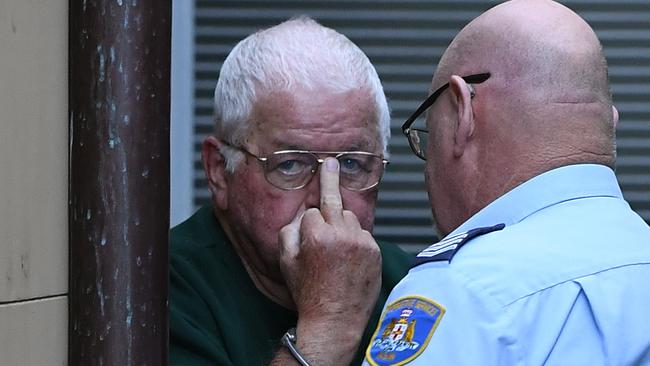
point(289, 340)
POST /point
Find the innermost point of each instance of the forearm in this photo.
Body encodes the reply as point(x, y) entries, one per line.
point(284, 358)
point(323, 343)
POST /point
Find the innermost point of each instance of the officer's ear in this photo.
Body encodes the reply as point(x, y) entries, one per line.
point(462, 98)
point(214, 166)
point(614, 116)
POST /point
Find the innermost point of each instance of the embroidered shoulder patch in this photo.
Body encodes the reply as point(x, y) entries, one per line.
point(404, 330)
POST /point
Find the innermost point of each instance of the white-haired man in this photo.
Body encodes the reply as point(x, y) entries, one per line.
point(289, 99)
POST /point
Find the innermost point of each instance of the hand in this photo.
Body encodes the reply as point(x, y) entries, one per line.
point(332, 268)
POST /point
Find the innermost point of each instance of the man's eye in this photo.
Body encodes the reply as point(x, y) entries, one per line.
point(350, 165)
point(291, 167)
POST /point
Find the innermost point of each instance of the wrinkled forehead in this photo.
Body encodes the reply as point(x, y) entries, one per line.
point(317, 119)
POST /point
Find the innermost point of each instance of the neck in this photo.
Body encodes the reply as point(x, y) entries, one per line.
point(268, 282)
point(506, 175)
point(275, 290)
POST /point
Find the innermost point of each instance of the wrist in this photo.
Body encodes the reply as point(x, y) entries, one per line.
point(328, 342)
point(289, 341)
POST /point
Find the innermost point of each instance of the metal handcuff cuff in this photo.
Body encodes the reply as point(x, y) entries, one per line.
point(289, 340)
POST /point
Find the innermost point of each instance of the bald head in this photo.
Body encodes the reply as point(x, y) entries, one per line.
point(539, 46)
point(549, 77)
point(546, 104)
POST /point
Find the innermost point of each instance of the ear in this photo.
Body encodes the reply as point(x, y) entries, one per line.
point(615, 116)
point(214, 166)
point(460, 91)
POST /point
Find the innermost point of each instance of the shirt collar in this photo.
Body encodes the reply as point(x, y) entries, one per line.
point(547, 189)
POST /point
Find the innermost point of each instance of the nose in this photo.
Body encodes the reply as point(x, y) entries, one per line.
point(312, 192)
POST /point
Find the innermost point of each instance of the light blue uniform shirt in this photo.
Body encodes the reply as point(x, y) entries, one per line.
point(566, 282)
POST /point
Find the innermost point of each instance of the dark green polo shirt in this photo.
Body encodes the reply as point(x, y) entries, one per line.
point(219, 317)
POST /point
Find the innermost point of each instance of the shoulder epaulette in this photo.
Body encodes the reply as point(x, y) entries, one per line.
point(448, 247)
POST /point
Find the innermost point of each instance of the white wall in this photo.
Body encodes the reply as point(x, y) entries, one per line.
point(33, 182)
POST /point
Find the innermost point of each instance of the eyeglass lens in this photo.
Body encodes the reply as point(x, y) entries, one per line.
point(419, 139)
point(293, 170)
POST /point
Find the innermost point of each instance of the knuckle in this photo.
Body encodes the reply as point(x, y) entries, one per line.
point(321, 236)
point(284, 240)
point(370, 242)
point(311, 212)
point(331, 199)
point(309, 218)
point(350, 218)
point(284, 232)
point(367, 236)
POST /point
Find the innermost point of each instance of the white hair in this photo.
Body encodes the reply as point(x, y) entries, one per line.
point(297, 52)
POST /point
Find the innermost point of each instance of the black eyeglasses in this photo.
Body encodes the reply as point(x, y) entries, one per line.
point(418, 137)
point(294, 169)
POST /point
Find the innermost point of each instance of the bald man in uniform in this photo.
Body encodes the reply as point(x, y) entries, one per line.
point(542, 261)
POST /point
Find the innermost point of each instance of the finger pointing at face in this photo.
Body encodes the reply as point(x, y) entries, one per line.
point(331, 206)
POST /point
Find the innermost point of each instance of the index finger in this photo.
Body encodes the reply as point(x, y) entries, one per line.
point(331, 206)
point(289, 235)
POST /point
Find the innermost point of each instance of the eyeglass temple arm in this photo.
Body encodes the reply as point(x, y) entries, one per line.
point(471, 79)
point(426, 104)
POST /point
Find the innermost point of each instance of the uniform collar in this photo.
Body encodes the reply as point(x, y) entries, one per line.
point(547, 189)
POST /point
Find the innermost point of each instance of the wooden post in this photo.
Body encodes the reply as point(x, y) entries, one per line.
point(119, 181)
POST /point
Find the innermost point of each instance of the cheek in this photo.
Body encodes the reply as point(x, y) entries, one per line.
point(429, 179)
point(436, 166)
point(264, 209)
point(435, 176)
point(427, 175)
point(362, 204)
point(258, 210)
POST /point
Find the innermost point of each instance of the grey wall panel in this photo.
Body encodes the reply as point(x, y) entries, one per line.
point(404, 40)
point(33, 149)
point(33, 182)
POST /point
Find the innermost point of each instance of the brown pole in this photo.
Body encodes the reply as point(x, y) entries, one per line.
point(119, 181)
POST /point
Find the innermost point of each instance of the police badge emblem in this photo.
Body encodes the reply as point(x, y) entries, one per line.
point(404, 330)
